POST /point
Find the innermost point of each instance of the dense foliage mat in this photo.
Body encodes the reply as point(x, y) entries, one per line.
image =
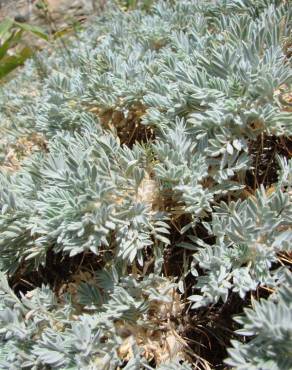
point(146, 192)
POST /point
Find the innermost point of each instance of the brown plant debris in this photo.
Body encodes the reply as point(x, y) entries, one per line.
point(263, 153)
point(126, 123)
point(22, 149)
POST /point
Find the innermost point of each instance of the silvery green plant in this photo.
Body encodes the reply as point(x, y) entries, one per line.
point(268, 323)
point(249, 234)
point(197, 82)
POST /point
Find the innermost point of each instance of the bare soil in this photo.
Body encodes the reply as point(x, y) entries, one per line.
point(61, 11)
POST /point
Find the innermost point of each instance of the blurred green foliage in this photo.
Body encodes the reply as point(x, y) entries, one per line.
point(134, 4)
point(13, 51)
